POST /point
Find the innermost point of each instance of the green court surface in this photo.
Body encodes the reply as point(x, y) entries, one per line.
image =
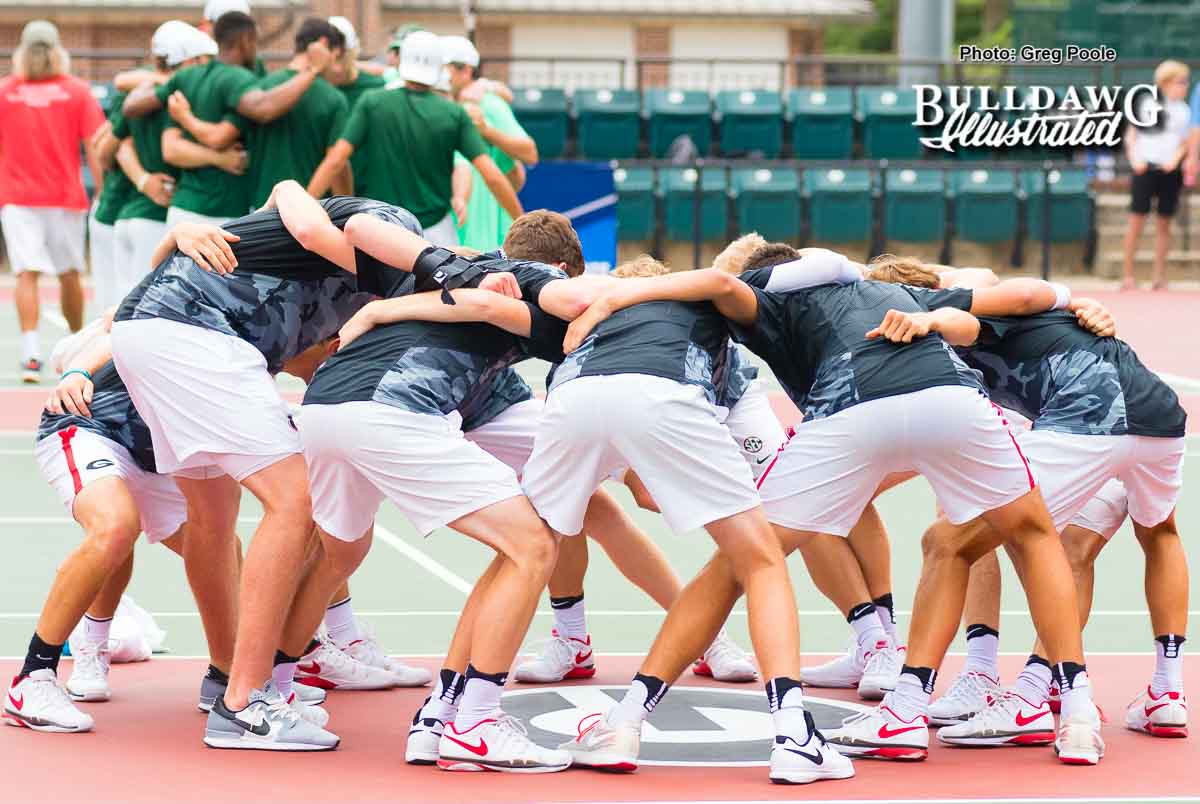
point(411, 589)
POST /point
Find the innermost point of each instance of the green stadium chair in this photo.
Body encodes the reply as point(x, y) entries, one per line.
point(671, 113)
point(914, 204)
point(822, 123)
point(767, 201)
point(678, 186)
point(1070, 204)
point(543, 113)
point(839, 204)
point(635, 203)
point(985, 204)
point(750, 121)
point(886, 115)
point(608, 125)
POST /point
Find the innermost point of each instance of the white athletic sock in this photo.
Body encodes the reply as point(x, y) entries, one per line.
point(570, 618)
point(886, 610)
point(1076, 697)
point(983, 650)
point(643, 695)
point(447, 691)
point(868, 630)
point(283, 675)
point(1168, 664)
point(1033, 684)
point(341, 623)
point(786, 701)
point(909, 700)
point(480, 699)
point(96, 631)
point(31, 346)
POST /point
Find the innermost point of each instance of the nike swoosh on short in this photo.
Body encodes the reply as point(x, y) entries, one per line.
point(478, 750)
point(1025, 721)
point(885, 732)
point(764, 460)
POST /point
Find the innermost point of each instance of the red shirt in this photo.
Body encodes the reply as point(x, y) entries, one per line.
point(42, 125)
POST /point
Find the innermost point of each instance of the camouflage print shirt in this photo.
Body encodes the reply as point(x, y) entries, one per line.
point(814, 340)
point(282, 298)
point(113, 417)
point(1062, 377)
point(733, 375)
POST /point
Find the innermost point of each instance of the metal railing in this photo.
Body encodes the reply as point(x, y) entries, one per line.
point(878, 169)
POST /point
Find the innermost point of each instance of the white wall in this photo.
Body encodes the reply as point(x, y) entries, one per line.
point(593, 38)
point(730, 40)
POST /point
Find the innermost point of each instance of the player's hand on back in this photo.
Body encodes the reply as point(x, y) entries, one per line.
point(588, 320)
point(901, 327)
point(359, 324)
point(501, 282)
point(179, 107)
point(1094, 317)
point(159, 188)
point(208, 245)
point(73, 394)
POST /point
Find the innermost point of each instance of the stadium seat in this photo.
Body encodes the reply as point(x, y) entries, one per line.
point(1070, 208)
point(607, 123)
point(672, 113)
point(886, 115)
point(985, 204)
point(822, 123)
point(543, 113)
point(840, 204)
point(750, 122)
point(635, 203)
point(678, 187)
point(768, 202)
point(914, 205)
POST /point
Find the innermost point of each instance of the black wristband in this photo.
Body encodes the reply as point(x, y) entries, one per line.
point(438, 268)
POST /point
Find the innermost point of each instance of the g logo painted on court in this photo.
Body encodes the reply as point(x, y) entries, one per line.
point(691, 726)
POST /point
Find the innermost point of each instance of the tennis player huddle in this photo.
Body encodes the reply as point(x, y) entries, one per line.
point(408, 350)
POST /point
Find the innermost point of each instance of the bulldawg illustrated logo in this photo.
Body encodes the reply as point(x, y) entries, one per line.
point(1014, 117)
point(690, 726)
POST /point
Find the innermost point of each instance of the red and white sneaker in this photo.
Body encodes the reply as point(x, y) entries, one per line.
point(561, 658)
point(329, 668)
point(37, 702)
point(726, 661)
point(603, 746)
point(1078, 741)
point(1054, 699)
point(882, 734)
point(368, 651)
point(841, 673)
point(970, 693)
point(1008, 719)
point(1164, 715)
point(499, 743)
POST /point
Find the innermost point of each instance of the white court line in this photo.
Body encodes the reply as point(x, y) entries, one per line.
point(423, 560)
point(1187, 384)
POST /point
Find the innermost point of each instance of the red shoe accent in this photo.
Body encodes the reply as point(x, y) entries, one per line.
point(313, 681)
point(1074, 760)
point(580, 658)
point(478, 750)
point(616, 767)
point(1025, 721)
point(458, 765)
point(1167, 731)
point(901, 754)
point(1038, 738)
point(18, 704)
point(581, 672)
point(311, 667)
point(1055, 707)
point(16, 720)
point(701, 668)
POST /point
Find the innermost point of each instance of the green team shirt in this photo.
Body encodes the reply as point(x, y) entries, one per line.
point(354, 90)
point(409, 139)
point(147, 141)
point(487, 222)
point(213, 90)
point(292, 146)
point(116, 188)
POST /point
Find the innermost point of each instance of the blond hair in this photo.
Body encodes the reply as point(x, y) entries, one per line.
point(1168, 71)
point(903, 271)
point(732, 260)
point(39, 61)
point(641, 265)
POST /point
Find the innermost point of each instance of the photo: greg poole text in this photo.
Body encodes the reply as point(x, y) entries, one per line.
point(1070, 54)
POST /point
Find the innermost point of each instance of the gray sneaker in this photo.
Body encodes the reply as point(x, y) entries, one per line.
point(210, 688)
point(309, 694)
point(266, 723)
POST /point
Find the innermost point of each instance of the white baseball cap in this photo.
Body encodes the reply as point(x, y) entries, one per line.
point(213, 9)
point(176, 42)
point(459, 50)
point(421, 58)
point(347, 28)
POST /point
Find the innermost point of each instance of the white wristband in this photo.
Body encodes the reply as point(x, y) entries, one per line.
point(1062, 295)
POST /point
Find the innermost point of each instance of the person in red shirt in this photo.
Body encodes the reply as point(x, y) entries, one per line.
point(45, 116)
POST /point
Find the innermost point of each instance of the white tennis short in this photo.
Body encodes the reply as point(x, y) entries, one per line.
point(177, 215)
point(443, 233)
point(359, 453)
point(102, 251)
point(509, 437)
point(45, 240)
point(211, 406)
point(1073, 468)
point(953, 435)
point(72, 458)
point(136, 239)
point(1106, 512)
point(664, 430)
point(755, 428)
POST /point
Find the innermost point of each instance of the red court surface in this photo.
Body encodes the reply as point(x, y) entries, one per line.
point(147, 747)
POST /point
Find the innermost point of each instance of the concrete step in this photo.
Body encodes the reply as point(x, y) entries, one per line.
point(1180, 264)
